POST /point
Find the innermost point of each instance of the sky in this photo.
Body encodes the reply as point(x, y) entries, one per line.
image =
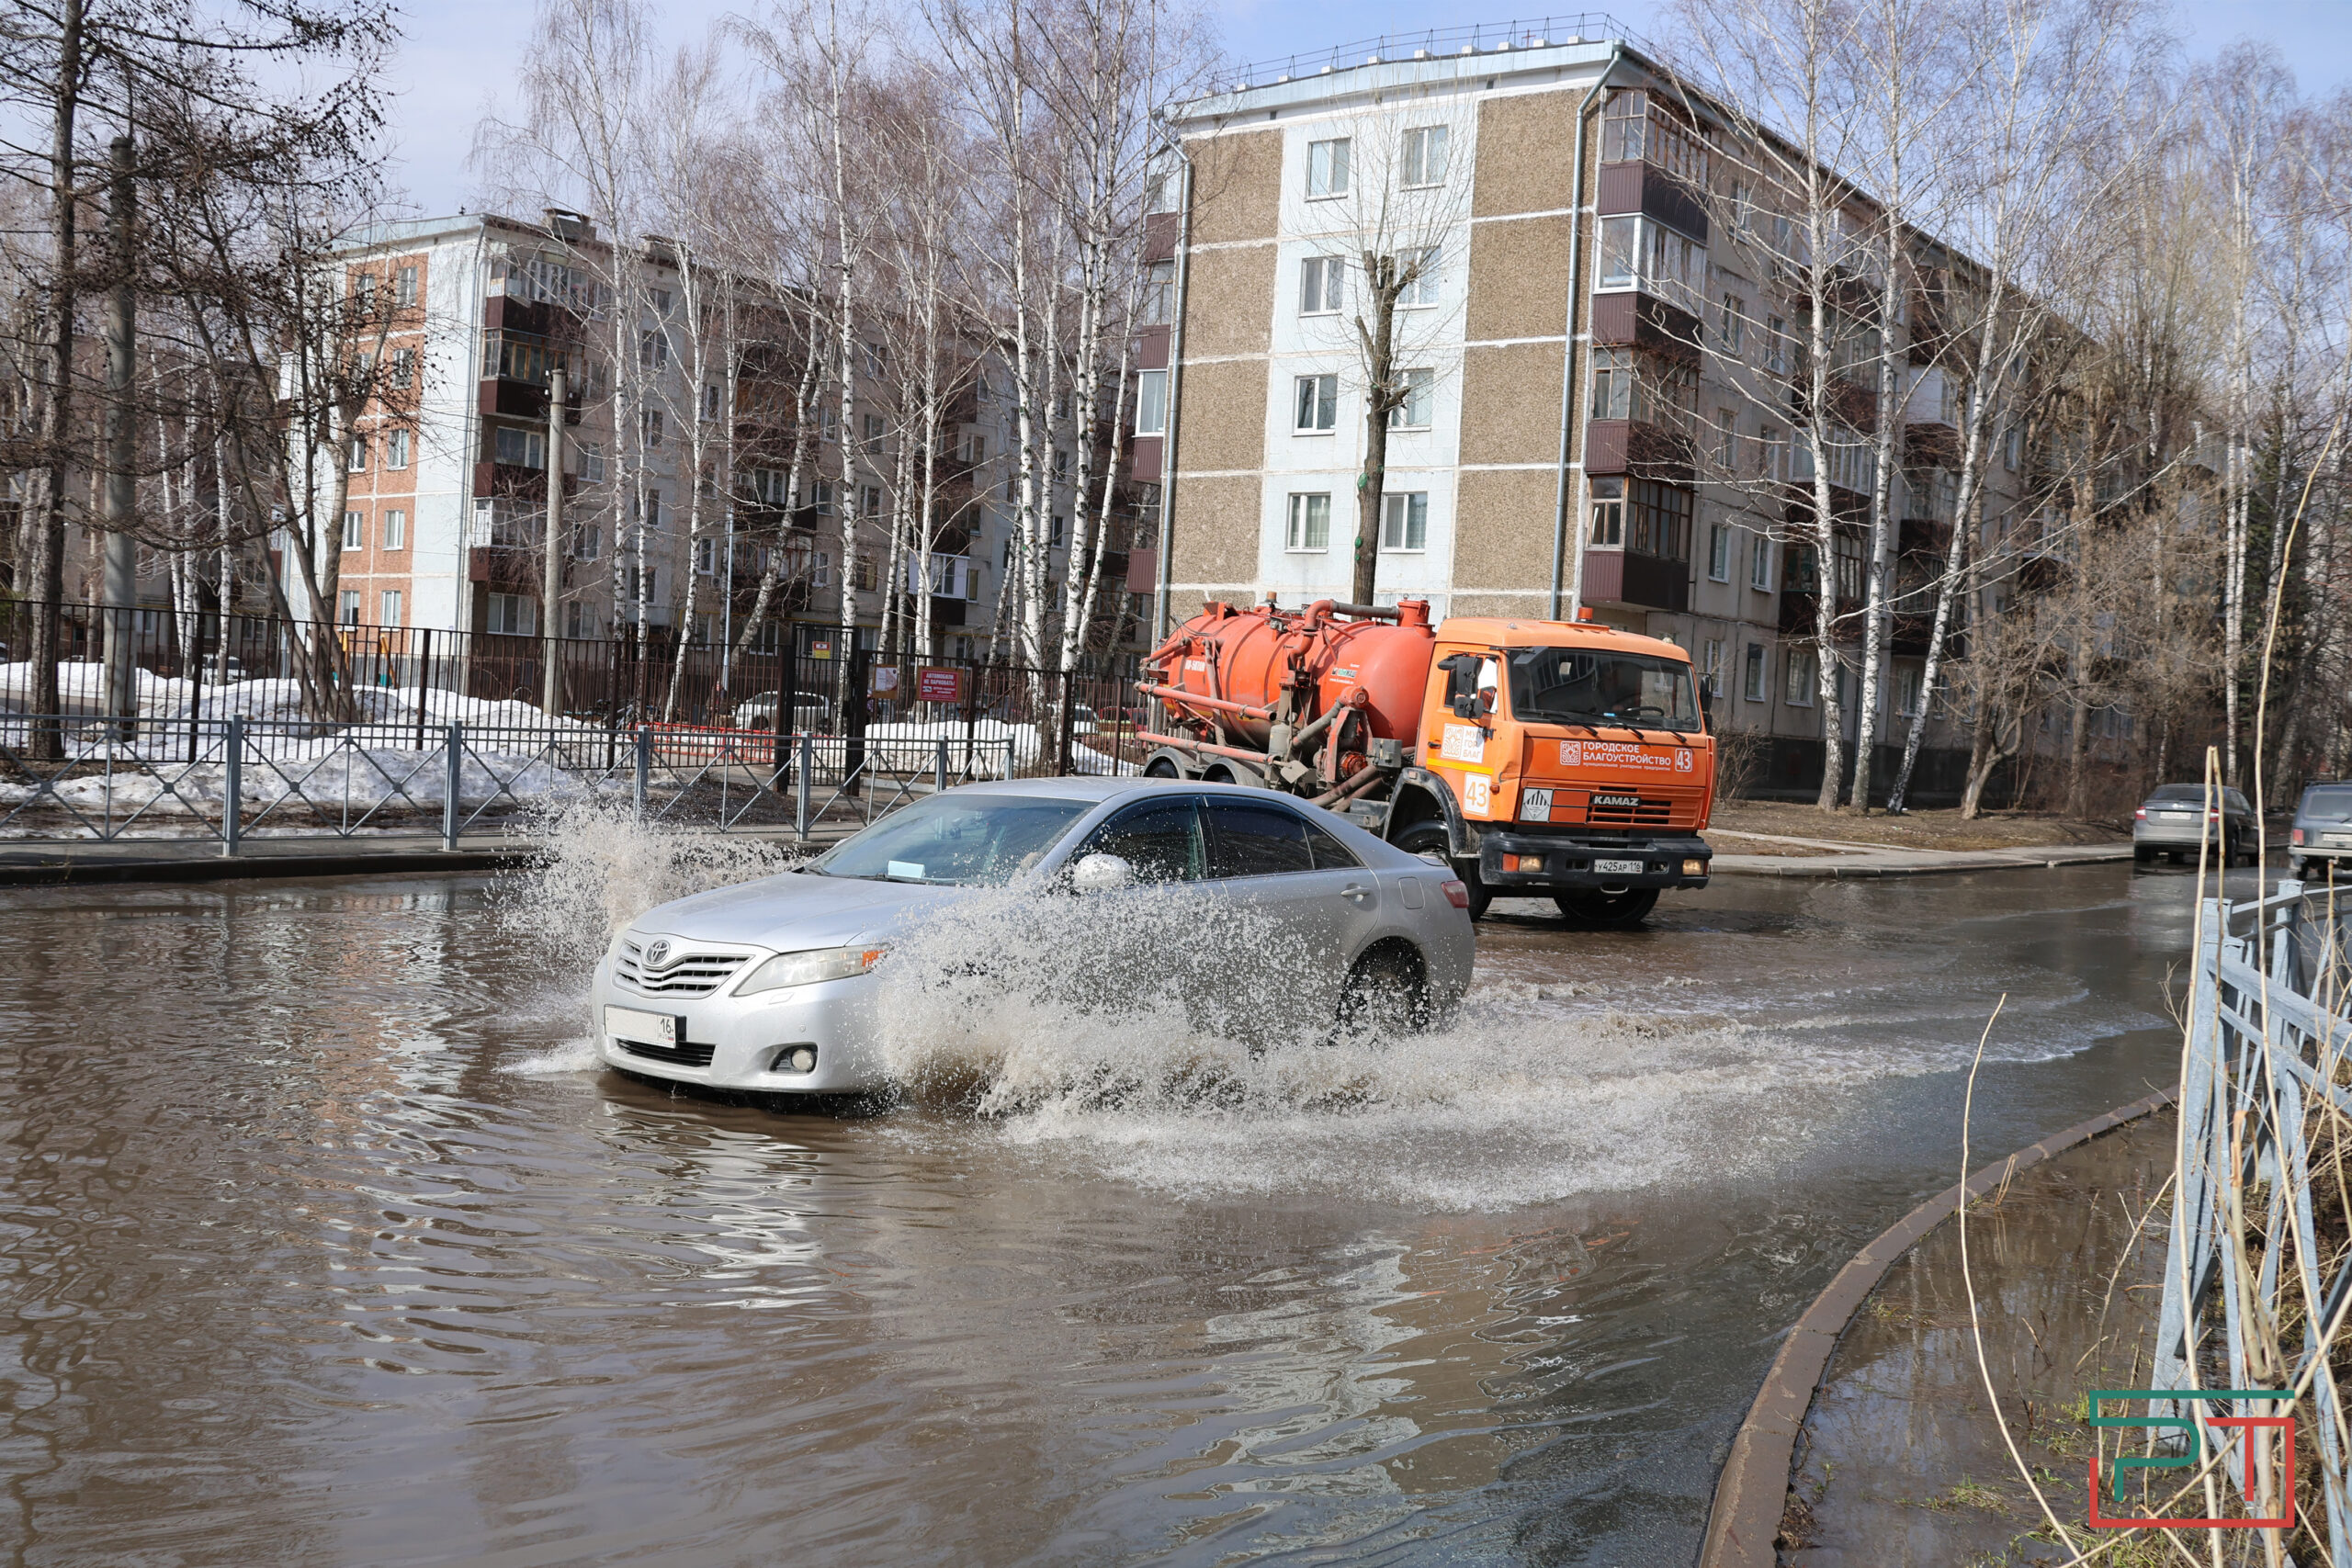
point(456, 65)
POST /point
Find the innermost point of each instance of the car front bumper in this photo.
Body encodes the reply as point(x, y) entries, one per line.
point(736, 1043)
point(1565, 862)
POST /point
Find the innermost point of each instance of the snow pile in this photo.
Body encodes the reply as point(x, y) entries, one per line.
point(81, 690)
point(347, 781)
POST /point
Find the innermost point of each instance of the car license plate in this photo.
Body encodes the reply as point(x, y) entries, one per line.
point(2339, 837)
point(1618, 867)
point(645, 1028)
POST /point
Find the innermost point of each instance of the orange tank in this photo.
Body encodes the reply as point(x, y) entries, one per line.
point(1232, 669)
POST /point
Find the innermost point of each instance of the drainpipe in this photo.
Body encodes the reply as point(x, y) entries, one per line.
point(1175, 369)
point(1567, 495)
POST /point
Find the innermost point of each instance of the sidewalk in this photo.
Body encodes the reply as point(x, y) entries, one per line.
point(1833, 857)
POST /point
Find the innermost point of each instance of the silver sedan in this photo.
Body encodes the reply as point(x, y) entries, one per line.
point(1266, 919)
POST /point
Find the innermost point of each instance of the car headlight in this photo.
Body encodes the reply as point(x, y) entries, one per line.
point(808, 969)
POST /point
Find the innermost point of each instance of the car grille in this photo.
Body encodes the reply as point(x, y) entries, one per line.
point(683, 973)
point(687, 1056)
point(1645, 814)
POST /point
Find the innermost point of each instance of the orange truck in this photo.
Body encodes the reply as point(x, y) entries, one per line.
point(1562, 759)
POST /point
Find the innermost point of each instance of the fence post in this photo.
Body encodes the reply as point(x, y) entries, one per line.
point(1069, 710)
point(644, 766)
point(423, 679)
point(801, 787)
point(234, 788)
point(939, 767)
point(455, 745)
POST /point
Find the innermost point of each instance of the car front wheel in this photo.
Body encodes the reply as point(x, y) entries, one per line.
point(1609, 911)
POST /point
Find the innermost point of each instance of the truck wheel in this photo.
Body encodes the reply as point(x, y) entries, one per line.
point(1429, 841)
point(1160, 768)
point(1385, 997)
point(1609, 911)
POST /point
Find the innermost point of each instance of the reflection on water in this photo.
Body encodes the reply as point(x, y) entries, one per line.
point(326, 1244)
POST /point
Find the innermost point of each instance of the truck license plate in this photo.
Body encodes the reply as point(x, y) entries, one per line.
point(1618, 867)
point(645, 1028)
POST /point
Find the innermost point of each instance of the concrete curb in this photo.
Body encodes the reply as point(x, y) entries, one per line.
point(1752, 1492)
point(83, 871)
point(1843, 866)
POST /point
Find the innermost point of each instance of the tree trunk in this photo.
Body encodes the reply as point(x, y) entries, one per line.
point(48, 572)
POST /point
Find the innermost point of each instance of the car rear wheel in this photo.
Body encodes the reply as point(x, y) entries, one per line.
point(1609, 911)
point(1386, 997)
point(1429, 841)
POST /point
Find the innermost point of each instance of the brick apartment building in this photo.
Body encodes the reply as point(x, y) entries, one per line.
point(1574, 437)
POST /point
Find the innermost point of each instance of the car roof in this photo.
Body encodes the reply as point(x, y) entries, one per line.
point(1099, 789)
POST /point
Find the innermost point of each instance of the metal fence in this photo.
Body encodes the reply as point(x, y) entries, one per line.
point(233, 779)
point(2265, 1116)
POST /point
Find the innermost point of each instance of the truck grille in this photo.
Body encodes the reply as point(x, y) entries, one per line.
point(682, 972)
point(1644, 814)
point(686, 1056)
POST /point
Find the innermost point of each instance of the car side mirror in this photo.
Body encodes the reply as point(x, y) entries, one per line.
point(1100, 873)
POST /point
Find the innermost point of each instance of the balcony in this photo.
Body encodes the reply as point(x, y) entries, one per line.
point(1641, 448)
point(1639, 582)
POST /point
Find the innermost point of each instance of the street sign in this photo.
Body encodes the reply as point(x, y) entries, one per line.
point(938, 685)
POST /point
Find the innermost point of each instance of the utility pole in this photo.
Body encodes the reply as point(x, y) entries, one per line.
point(121, 550)
point(552, 553)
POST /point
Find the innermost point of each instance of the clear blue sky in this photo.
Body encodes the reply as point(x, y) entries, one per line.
point(457, 59)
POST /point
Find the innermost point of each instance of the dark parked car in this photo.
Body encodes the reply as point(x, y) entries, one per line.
point(2174, 819)
point(2320, 843)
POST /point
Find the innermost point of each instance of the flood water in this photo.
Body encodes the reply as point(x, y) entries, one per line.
point(327, 1243)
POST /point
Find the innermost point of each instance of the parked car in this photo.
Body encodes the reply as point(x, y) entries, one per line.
point(771, 985)
point(2174, 820)
point(2320, 842)
point(220, 670)
point(809, 713)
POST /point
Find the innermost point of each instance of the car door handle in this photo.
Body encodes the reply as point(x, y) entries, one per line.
point(1356, 891)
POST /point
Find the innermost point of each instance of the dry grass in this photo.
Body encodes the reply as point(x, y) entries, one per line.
point(1914, 831)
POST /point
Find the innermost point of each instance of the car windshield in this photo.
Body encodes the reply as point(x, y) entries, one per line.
point(963, 841)
point(1578, 685)
point(2328, 804)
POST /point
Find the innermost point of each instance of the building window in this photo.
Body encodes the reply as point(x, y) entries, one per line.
point(388, 607)
point(1310, 525)
point(1752, 682)
point(1159, 294)
point(403, 295)
point(661, 297)
point(820, 498)
point(1727, 441)
point(396, 449)
point(357, 457)
point(1405, 521)
point(650, 426)
point(355, 530)
point(591, 462)
point(512, 615)
point(396, 530)
point(587, 542)
point(402, 370)
point(1711, 667)
point(1639, 387)
point(1316, 405)
point(1642, 253)
point(874, 427)
point(1151, 407)
point(1062, 466)
point(520, 448)
point(653, 349)
point(1420, 396)
point(2012, 449)
point(1776, 346)
point(1326, 168)
point(1804, 674)
point(710, 402)
point(1659, 523)
point(1906, 690)
point(363, 288)
point(347, 610)
point(1161, 189)
point(1731, 320)
point(1609, 513)
point(1423, 289)
point(1322, 285)
point(1719, 552)
point(1425, 155)
point(1057, 531)
point(1760, 563)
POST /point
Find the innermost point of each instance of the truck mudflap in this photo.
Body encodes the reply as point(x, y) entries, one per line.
point(1532, 864)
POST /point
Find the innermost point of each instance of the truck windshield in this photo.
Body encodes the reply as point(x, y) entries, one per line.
point(1581, 685)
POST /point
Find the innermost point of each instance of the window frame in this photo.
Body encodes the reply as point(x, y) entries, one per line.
point(393, 534)
point(1151, 405)
point(1323, 164)
point(1299, 521)
point(1315, 396)
point(1420, 385)
point(1408, 513)
point(1719, 552)
point(1322, 285)
point(1413, 156)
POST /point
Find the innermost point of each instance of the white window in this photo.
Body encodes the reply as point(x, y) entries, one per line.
point(1423, 288)
point(1760, 565)
point(1057, 531)
point(870, 500)
point(1776, 346)
point(1326, 168)
point(1161, 189)
point(1727, 440)
point(396, 529)
point(403, 295)
point(1310, 524)
point(820, 498)
point(522, 448)
point(1804, 674)
point(1322, 285)
point(349, 610)
point(355, 530)
point(396, 449)
point(512, 615)
point(1641, 253)
point(653, 348)
point(874, 426)
point(706, 558)
point(1424, 161)
point(661, 297)
point(710, 399)
point(1405, 521)
point(1421, 397)
point(1151, 409)
point(1316, 405)
point(1906, 690)
point(1159, 294)
point(591, 462)
point(1719, 552)
point(402, 370)
point(650, 425)
point(1711, 667)
point(358, 455)
point(1731, 321)
point(1061, 464)
point(388, 611)
point(588, 542)
point(1752, 682)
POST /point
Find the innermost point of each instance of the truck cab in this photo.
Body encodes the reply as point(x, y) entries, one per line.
point(1564, 760)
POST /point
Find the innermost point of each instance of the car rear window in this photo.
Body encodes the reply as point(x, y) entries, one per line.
point(2327, 803)
point(2174, 795)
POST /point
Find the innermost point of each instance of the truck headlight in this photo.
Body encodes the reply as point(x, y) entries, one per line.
point(808, 969)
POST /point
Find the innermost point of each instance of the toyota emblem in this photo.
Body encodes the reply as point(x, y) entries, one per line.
point(657, 955)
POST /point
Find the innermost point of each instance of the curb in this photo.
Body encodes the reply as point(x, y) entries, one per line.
point(1828, 867)
point(1752, 1492)
point(238, 868)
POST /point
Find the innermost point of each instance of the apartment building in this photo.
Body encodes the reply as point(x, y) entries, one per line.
point(1589, 354)
point(449, 472)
